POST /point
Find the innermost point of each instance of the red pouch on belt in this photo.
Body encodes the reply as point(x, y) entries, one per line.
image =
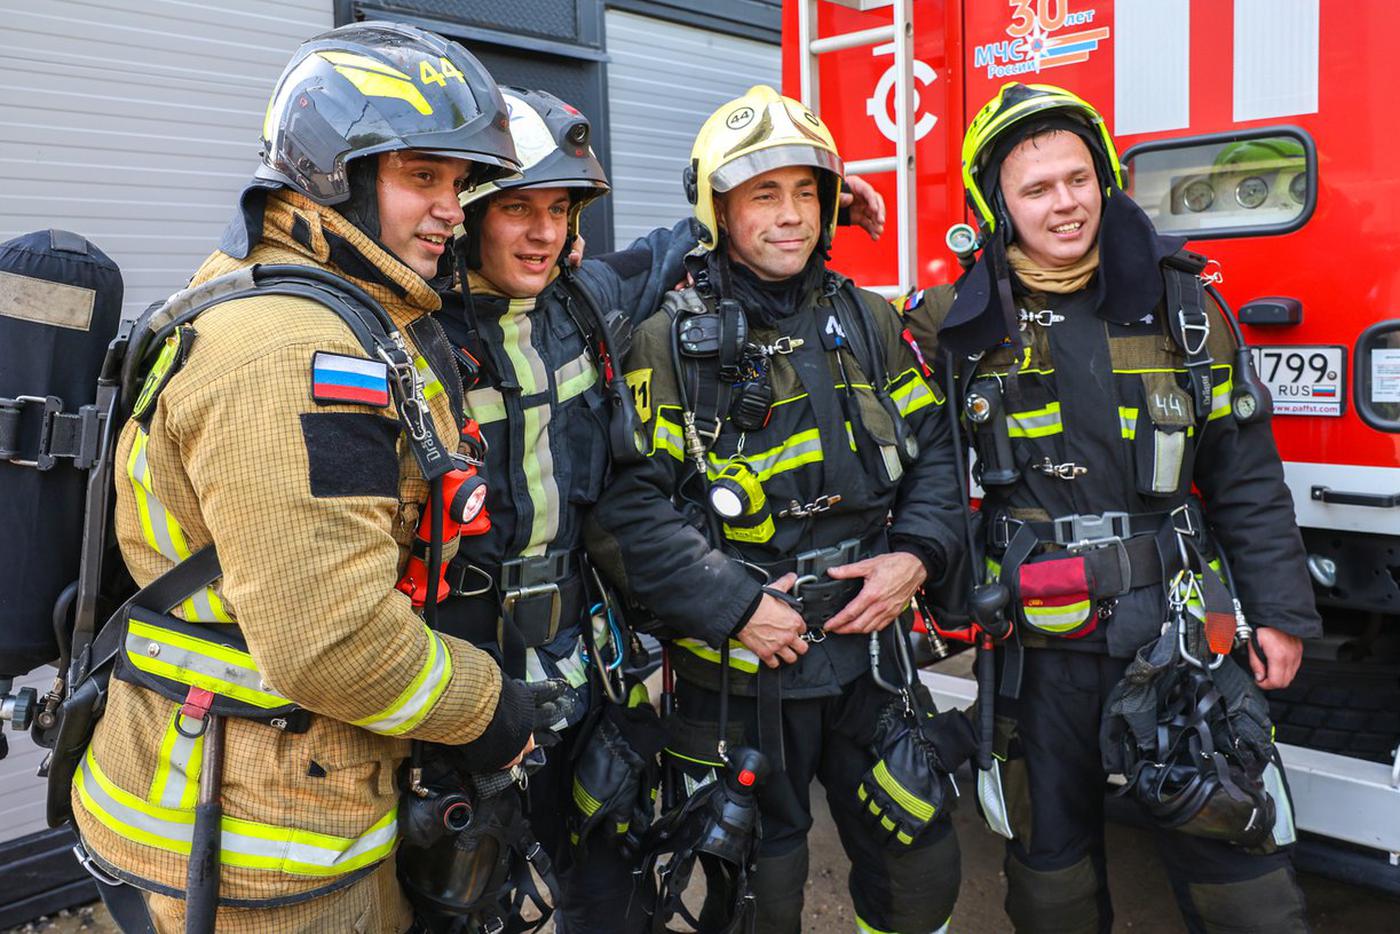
point(1055, 597)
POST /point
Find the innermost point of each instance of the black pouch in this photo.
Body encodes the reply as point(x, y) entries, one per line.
point(1162, 443)
point(77, 719)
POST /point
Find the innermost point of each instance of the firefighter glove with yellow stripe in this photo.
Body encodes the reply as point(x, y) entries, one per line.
point(903, 791)
point(617, 773)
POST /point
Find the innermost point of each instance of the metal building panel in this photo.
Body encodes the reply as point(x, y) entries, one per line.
point(663, 81)
point(1151, 66)
point(135, 124)
point(1276, 58)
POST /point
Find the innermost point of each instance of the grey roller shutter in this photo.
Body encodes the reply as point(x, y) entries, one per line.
point(135, 123)
point(663, 81)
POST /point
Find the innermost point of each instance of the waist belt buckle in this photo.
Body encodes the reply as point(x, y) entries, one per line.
point(1085, 533)
point(511, 597)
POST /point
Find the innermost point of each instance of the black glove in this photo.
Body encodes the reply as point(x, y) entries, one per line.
point(554, 700)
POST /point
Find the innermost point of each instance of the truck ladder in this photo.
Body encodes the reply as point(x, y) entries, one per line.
point(900, 34)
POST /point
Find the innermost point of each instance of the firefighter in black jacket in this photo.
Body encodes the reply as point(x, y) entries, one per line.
point(788, 418)
point(1098, 386)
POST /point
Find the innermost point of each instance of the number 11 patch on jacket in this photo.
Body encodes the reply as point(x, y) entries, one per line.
point(337, 378)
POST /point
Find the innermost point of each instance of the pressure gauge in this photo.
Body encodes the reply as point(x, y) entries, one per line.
point(1298, 187)
point(1198, 195)
point(1252, 192)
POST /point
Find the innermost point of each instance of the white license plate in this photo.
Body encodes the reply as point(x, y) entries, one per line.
point(1303, 379)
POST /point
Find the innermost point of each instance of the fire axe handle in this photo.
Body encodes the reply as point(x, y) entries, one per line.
point(202, 882)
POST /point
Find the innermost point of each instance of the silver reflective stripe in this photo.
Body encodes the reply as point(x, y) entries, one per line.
point(574, 377)
point(1036, 423)
point(242, 843)
point(993, 801)
point(413, 704)
point(1127, 421)
point(176, 782)
point(486, 405)
point(204, 664)
point(1285, 832)
point(1168, 453)
point(805, 447)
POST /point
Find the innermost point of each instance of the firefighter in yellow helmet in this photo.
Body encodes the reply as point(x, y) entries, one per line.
point(788, 419)
point(298, 454)
point(1100, 384)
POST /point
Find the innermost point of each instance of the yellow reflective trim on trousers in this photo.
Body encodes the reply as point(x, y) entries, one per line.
point(667, 436)
point(1127, 421)
point(916, 806)
point(432, 386)
point(243, 843)
point(739, 657)
point(1036, 423)
point(587, 804)
point(865, 927)
point(227, 672)
point(176, 782)
point(574, 377)
point(414, 701)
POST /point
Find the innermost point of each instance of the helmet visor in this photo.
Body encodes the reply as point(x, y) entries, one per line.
point(750, 165)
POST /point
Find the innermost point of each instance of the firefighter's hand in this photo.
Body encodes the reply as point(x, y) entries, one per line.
point(576, 254)
point(890, 582)
point(1283, 653)
point(866, 204)
point(774, 631)
point(529, 748)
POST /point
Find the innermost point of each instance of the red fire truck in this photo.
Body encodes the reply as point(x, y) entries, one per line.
point(1263, 131)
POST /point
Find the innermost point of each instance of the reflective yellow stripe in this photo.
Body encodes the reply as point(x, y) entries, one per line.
point(919, 808)
point(795, 451)
point(243, 843)
point(486, 405)
point(432, 386)
point(176, 782)
point(666, 436)
point(574, 377)
point(198, 662)
point(1058, 618)
point(587, 804)
point(1220, 399)
point(1127, 421)
point(378, 83)
point(914, 394)
point(163, 533)
point(415, 701)
point(1036, 423)
point(739, 657)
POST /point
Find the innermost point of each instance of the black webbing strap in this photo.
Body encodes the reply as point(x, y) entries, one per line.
point(161, 595)
point(1190, 328)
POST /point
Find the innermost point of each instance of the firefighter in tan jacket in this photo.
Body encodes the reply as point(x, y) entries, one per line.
point(275, 437)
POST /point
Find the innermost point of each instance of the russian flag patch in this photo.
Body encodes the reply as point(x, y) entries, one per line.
point(336, 378)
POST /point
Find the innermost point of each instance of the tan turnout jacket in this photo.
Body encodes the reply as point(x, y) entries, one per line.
point(308, 578)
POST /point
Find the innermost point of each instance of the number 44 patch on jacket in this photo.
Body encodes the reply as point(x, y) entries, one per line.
point(337, 378)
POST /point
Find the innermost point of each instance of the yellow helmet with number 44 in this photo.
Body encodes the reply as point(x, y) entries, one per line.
point(753, 134)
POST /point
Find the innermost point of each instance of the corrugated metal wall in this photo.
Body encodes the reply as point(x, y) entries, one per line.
point(135, 122)
point(663, 81)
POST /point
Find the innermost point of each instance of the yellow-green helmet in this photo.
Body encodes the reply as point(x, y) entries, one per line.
point(753, 134)
point(1013, 107)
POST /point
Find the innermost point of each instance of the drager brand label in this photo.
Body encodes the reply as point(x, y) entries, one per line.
point(1042, 34)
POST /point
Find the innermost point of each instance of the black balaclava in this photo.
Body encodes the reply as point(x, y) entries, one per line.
point(766, 302)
